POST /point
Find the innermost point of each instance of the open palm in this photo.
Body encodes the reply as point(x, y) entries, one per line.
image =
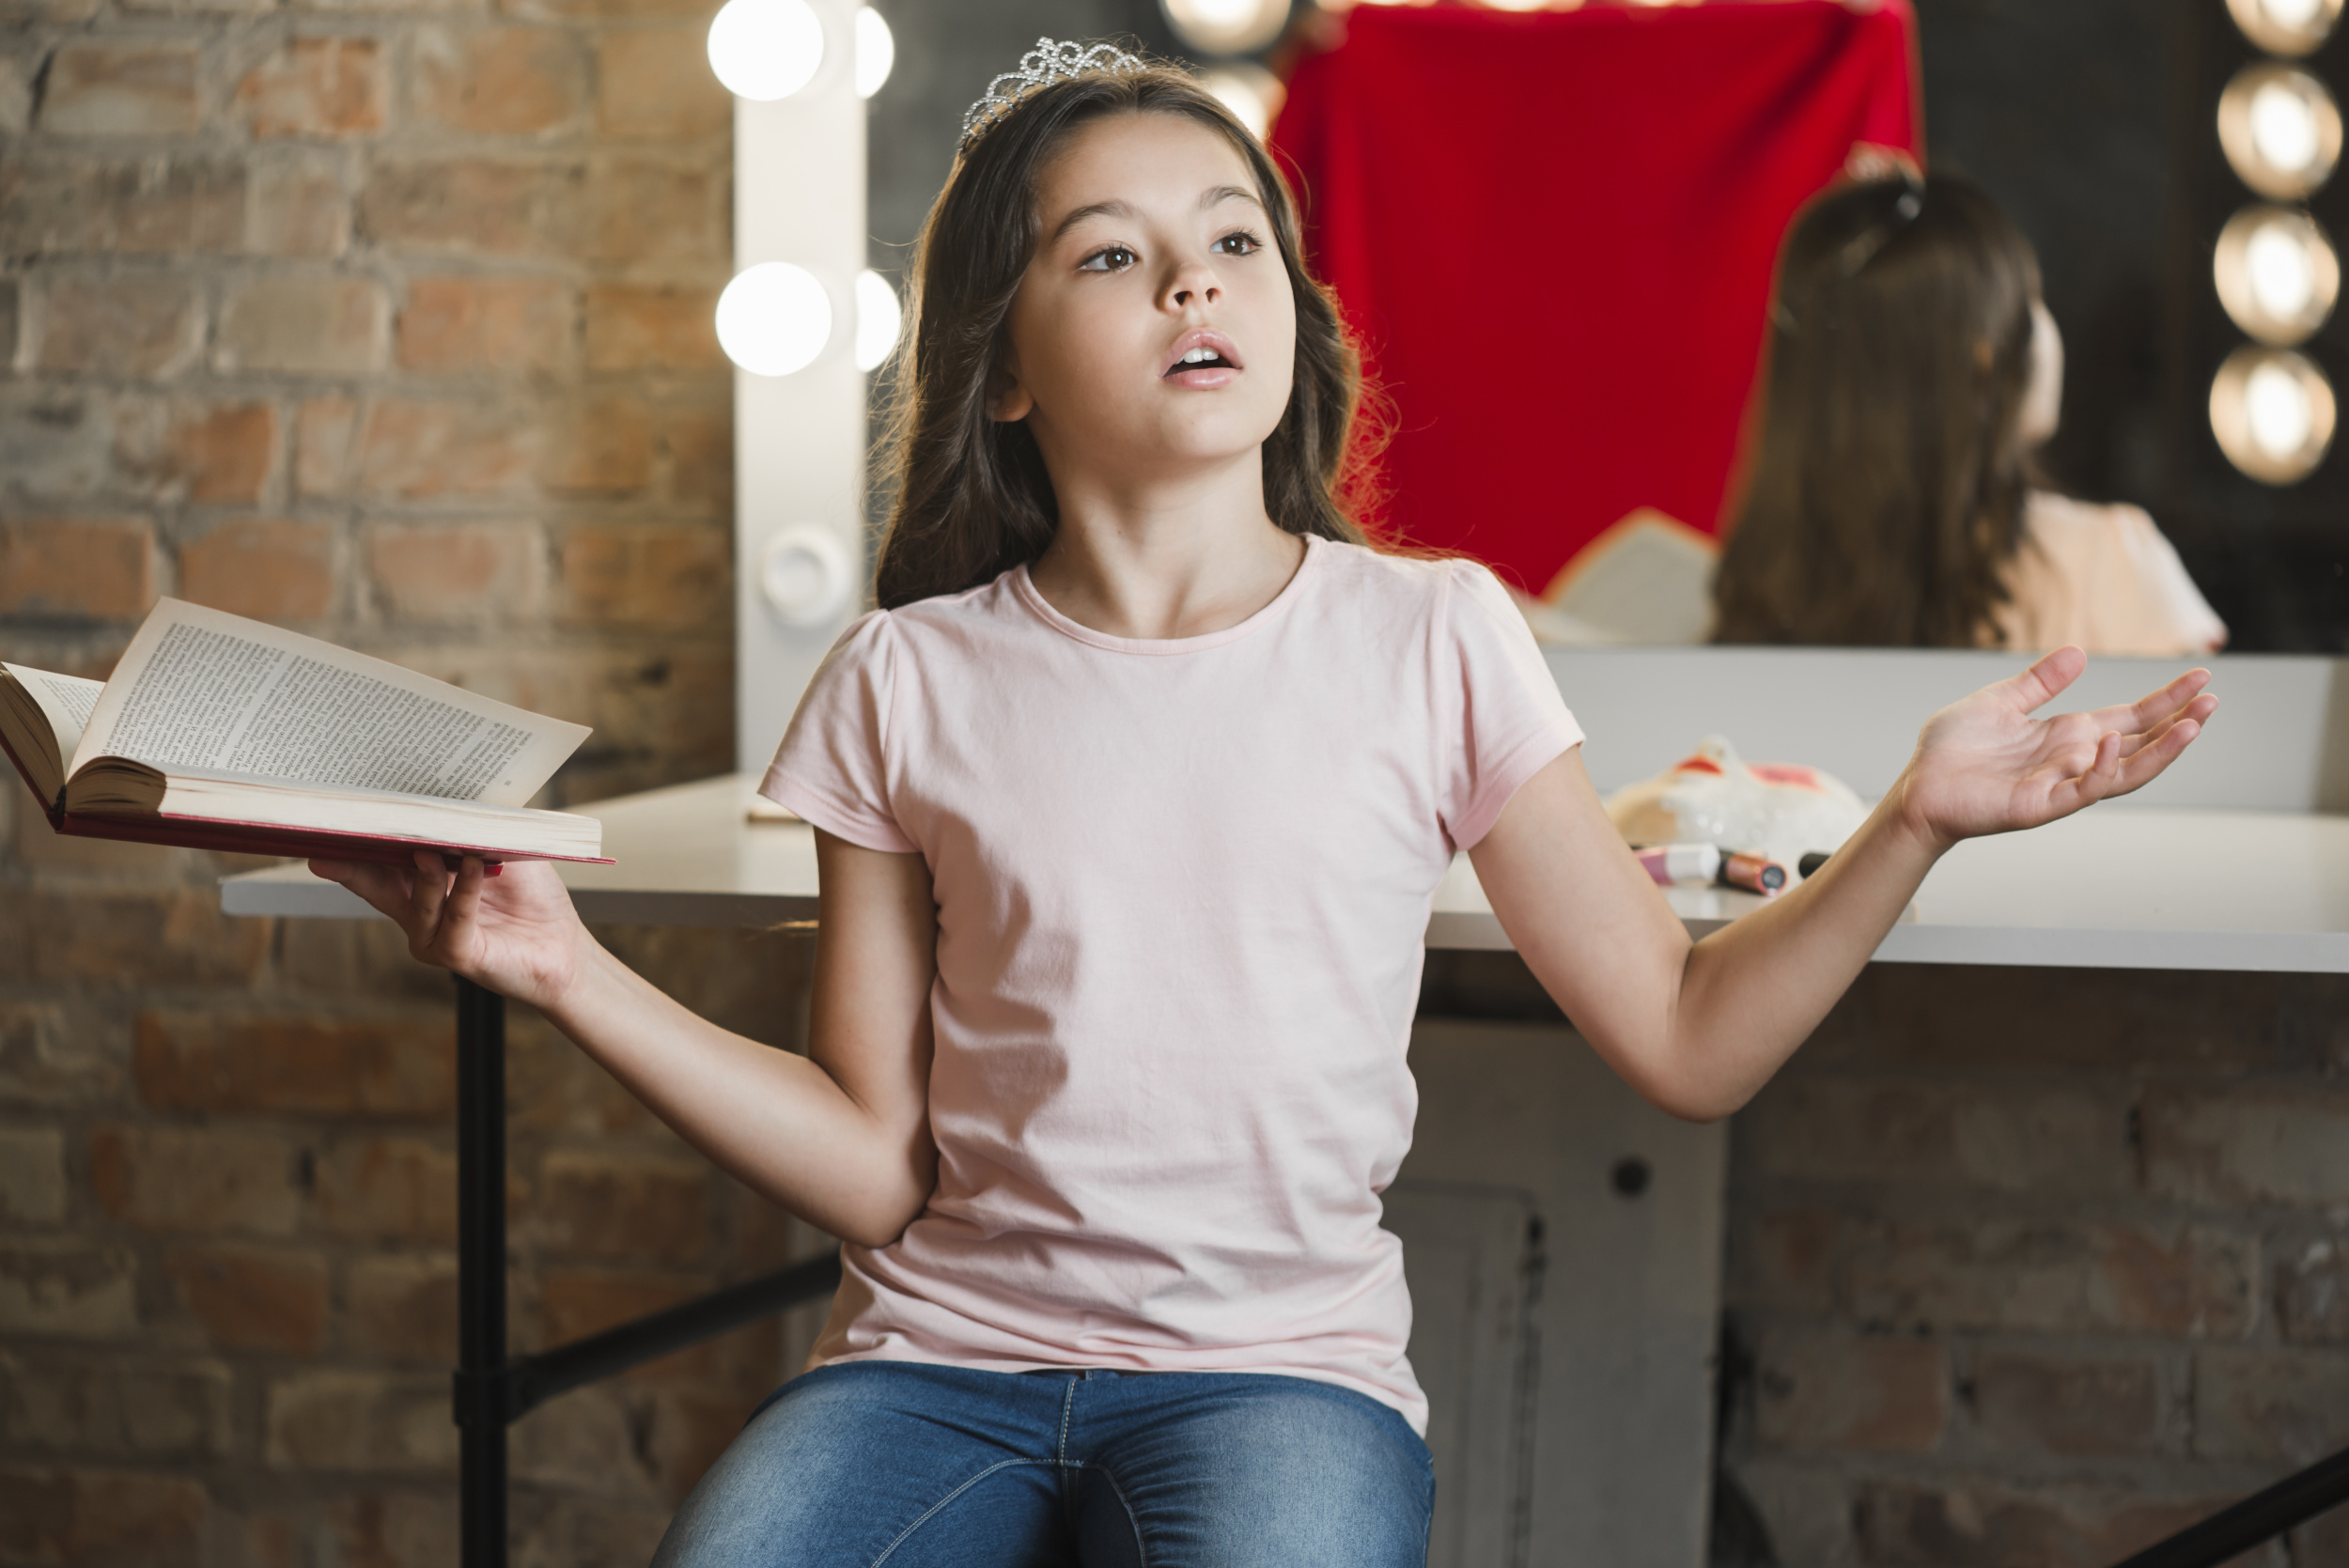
point(515, 933)
point(1984, 765)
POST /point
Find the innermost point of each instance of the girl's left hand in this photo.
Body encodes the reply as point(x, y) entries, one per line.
point(1985, 765)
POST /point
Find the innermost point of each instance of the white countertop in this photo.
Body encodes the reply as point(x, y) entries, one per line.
point(2109, 889)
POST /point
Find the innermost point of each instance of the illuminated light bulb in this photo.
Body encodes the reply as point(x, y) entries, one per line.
point(2277, 273)
point(763, 50)
point(2273, 412)
point(774, 319)
point(878, 319)
point(2289, 27)
point(1252, 93)
point(1226, 26)
point(2280, 130)
point(876, 51)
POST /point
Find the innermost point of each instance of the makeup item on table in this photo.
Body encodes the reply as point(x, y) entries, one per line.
point(1754, 873)
point(1810, 862)
point(1668, 864)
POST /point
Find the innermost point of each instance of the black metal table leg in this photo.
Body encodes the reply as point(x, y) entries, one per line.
point(480, 1382)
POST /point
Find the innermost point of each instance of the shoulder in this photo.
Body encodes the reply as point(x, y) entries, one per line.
point(943, 618)
point(1412, 586)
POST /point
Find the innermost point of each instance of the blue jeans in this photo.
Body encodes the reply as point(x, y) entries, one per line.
point(872, 1462)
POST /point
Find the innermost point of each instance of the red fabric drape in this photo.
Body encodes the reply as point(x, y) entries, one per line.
point(1554, 231)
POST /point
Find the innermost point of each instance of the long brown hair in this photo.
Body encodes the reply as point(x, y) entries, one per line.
point(1886, 490)
point(972, 496)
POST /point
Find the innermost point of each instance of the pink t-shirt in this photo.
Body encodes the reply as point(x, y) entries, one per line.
point(1183, 889)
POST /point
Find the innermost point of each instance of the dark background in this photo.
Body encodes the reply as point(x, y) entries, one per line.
point(2090, 120)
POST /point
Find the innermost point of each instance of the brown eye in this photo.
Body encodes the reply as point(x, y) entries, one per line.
point(1109, 259)
point(1239, 242)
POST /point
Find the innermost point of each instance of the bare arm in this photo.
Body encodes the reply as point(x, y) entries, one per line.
point(1698, 1028)
point(840, 1138)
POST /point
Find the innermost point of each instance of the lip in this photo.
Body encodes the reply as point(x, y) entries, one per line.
point(1205, 375)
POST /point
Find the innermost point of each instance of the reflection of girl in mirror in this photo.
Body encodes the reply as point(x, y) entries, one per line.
point(1913, 369)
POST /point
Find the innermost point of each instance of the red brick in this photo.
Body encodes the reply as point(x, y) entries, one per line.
point(644, 328)
point(403, 1308)
point(48, 854)
point(121, 90)
point(574, 1303)
point(499, 81)
point(700, 446)
point(2055, 1276)
point(105, 1401)
point(626, 574)
point(400, 1529)
point(473, 206)
point(308, 325)
point(102, 567)
point(296, 205)
point(45, 1063)
point(355, 1420)
point(422, 451)
point(2323, 1540)
point(456, 571)
point(615, 9)
point(138, 325)
point(457, 324)
point(645, 210)
point(602, 448)
point(2312, 1294)
point(175, 937)
point(691, 1430)
point(300, 1063)
point(212, 452)
point(557, 1087)
point(270, 568)
point(1879, 1395)
point(194, 1179)
point(98, 1520)
point(32, 1176)
point(589, 1441)
point(2274, 1406)
point(2108, 1405)
point(331, 86)
point(1986, 1524)
point(135, 206)
point(253, 1298)
point(602, 1532)
point(2244, 1145)
point(322, 435)
point(606, 1205)
point(2032, 1138)
point(389, 1188)
point(656, 83)
point(67, 1287)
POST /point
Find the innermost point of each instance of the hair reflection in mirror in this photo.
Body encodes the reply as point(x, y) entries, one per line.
point(1886, 489)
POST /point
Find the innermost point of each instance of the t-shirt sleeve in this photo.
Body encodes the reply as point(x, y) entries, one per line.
point(833, 765)
point(1506, 720)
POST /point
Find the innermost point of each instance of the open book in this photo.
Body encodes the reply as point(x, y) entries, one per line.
point(220, 733)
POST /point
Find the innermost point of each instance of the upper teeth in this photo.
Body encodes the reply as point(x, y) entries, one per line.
point(1199, 356)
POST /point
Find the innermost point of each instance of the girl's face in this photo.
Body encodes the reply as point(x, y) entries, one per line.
point(1154, 332)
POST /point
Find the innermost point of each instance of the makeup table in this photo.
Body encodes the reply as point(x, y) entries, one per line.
point(1572, 1406)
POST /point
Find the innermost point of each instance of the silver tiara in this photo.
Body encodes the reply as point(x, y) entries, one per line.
point(1041, 67)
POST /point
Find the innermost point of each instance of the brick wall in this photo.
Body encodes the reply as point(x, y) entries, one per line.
point(2034, 1266)
point(389, 322)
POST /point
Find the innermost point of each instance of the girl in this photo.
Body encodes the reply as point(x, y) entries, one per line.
point(1131, 801)
point(1913, 369)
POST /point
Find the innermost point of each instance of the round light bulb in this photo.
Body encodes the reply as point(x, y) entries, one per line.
point(2289, 27)
point(876, 52)
point(774, 319)
point(2277, 273)
point(2280, 129)
point(1252, 93)
point(763, 50)
point(2273, 412)
point(1226, 26)
point(878, 318)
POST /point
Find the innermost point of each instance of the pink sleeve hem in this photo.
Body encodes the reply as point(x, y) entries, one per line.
point(1533, 754)
point(855, 826)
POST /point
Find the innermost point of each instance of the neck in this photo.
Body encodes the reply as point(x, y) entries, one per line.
point(1166, 557)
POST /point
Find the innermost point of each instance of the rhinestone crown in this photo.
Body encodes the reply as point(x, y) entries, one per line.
point(1047, 63)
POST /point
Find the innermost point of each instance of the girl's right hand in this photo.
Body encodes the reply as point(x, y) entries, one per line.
point(515, 933)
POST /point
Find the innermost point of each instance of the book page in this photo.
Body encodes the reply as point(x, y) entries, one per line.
point(204, 688)
point(65, 701)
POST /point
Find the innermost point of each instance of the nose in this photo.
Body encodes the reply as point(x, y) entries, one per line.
point(1194, 283)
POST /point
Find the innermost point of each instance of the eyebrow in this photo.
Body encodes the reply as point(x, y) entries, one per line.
point(1215, 195)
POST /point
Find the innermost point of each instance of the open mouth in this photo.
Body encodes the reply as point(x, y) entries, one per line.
point(1200, 359)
